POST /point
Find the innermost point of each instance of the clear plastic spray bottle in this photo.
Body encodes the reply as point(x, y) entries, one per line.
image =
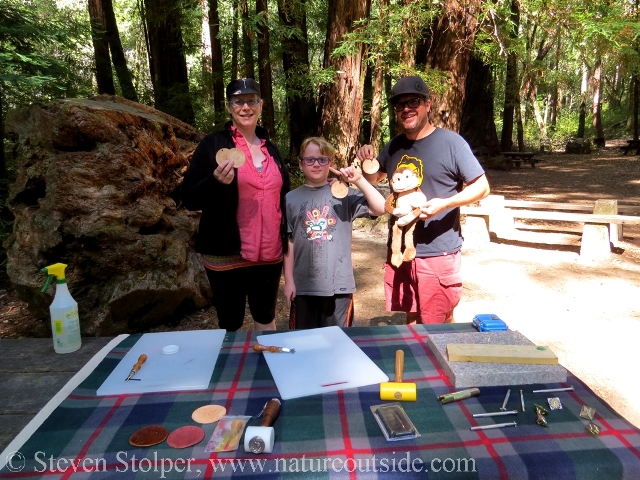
point(65, 323)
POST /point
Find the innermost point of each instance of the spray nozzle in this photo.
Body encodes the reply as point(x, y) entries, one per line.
point(55, 270)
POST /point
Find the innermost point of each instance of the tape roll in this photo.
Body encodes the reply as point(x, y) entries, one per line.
point(265, 434)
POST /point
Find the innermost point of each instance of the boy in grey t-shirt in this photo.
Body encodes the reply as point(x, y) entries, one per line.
point(318, 274)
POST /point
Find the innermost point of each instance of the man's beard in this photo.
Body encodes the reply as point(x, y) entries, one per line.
point(419, 125)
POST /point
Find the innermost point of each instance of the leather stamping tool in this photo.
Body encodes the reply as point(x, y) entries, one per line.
point(460, 395)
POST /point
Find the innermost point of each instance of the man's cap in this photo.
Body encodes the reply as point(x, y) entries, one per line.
point(242, 86)
point(407, 85)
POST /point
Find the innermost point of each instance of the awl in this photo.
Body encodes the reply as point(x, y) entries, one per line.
point(141, 359)
point(264, 348)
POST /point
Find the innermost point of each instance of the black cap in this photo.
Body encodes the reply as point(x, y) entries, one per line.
point(405, 85)
point(242, 86)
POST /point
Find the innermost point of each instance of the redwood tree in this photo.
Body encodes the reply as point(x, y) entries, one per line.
point(342, 100)
point(264, 68)
point(167, 61)
point(104, 75)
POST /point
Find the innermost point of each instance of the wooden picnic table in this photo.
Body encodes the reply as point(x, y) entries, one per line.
point(631, 145)
point(517, 157)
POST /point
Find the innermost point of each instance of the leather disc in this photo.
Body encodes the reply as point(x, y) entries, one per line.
point(370, 166)
point(147, 436)
point(339, 189)
point(236, 155)
point(208, 413)
point(222, 155)
point(184, 437)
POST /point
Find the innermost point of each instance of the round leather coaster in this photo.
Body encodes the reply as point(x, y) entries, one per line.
point(339, 189)
point(208, 413)
point(236, 155)
point(222, 155)
point(370, 166)
point(184, 437)
point(147, 436)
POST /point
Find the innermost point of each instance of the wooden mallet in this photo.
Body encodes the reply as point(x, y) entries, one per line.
point(398, 390)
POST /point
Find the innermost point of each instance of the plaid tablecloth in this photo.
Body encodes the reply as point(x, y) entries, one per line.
point(332, 435)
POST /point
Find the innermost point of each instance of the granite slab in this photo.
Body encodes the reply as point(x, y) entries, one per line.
point(479, 374)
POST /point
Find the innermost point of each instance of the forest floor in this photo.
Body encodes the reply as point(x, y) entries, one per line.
point(587, 312)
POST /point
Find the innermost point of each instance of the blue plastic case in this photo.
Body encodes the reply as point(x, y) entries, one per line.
point(489, 322)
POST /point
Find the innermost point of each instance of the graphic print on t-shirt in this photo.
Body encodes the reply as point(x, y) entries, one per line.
point(319, 224)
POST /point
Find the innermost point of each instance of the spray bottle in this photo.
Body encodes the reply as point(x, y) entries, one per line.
point(65, 323)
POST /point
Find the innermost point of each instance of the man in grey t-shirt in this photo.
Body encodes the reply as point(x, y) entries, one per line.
point(429, 287)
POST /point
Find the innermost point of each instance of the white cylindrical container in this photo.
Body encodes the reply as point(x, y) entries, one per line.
point(266, 434)
point(65, 323)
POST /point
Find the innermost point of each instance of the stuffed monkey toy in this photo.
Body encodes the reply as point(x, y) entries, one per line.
point(405, 203)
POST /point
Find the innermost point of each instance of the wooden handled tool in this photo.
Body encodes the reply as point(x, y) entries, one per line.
point(398, 390)
point(261, 439)
point(265, 348)
point(141, 359)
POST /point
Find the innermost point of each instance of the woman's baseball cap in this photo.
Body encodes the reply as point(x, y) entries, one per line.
point(243, 86)
point(407, 85)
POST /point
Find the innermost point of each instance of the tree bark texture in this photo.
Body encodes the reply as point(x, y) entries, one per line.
point(247, 37)
point(170, 82)
point(205, 38)
point(597, 100)
point(117, 53)
point(104, 76)
point(217, 62)
point(451, 39)
point(375, 138)
point(264, 68)
point(512, 86)
point(234, 40)
point(301, 103)
point(478, 126)
point(342, 107)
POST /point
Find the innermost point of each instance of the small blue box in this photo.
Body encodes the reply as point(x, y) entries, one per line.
point(489, 322)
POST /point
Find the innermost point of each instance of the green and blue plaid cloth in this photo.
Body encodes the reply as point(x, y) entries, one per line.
point(333, 435)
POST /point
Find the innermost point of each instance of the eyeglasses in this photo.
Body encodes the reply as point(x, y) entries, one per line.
point(237, 103)
point(411, 103)
point(309, 161)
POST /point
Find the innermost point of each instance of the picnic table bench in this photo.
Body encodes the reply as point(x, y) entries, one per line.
point(517, 157)
point(631, 145)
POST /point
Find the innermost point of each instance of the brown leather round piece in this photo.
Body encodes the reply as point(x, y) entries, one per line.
point(339, 189)
point(237, 156)
point(208, 413)
point(147, 436)
point(370, 166)
point(184, 437)
point(222, 155)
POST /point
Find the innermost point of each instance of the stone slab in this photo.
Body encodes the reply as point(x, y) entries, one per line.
point(478, 374)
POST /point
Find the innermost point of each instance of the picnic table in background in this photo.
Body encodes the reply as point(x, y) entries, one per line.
point(631, 145)
point(517, 157)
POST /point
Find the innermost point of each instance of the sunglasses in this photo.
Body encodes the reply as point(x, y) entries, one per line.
point(309, 161)
point(411, 103)
point(237, 103)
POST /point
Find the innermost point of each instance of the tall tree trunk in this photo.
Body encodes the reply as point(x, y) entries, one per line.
point(451, 40)
point(117, 53)
point(519, 127)
point(171, 85)
point(217, 62)
point(342, 106)
point(391, 114)
point(234, 40)
point(367, 98)
point(3, 160)
point(301, 102)
point(636, 103)
point(478, 126)
point(553, 103)
point(582, 117)
point(408, 43)
point(104, 75)
point(207, 63)
point(597, 101)
point(247, 36)
point(375, 137)
point(512, 86)
point(264, 68)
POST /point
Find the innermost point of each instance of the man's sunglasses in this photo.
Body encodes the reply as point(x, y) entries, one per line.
point(309, 161)
point(411, 103)
point(237, 103)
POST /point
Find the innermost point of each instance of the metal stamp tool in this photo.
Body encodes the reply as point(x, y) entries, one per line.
point(551, 390)
point(495, 425)
point(495, 414)
point(554, 403)
point(522, 400)
point(264, 348)
point(587, 412)
point(141, 359)
point(593, 429)
point(506, 399)
point(461, 395)
point(540, 414)
point(261, 439)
